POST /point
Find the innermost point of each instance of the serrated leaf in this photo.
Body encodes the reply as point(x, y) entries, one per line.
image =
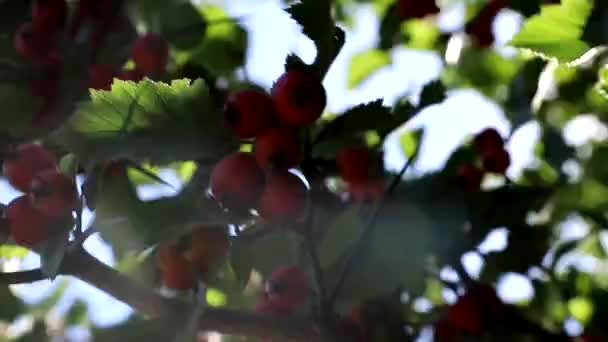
point(432, 93)
point(149, 120)
point(341, 234)
point(364, 64)
point(556, 32)
point(364, 117)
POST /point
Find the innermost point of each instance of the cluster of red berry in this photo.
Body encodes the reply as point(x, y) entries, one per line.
point(45, 39)
point(362, 172)
point(49, 194)
point(261, 179)
point(471, 315)
point(181, 264)
point(489, 144)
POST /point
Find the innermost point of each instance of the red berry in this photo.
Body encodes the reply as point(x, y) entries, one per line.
point(53, 193)
point(38, 47)
point(480, 28)
point(28, 226)
point(176, 271)
point(24, 163)
point(470, 177)
point(130, 75)
point(150, 54)
point(445, 332)
point(299, 98)
point(237, 181)
point(284, 199)
point(496, 161)
point(49, 15)
point(208, 247)
point(279, 148)
point(408, 9)
point(249, 112)
point(287, 289)
point(466, 316)
point(101, 76)
point(487, 140)
point(356, 164)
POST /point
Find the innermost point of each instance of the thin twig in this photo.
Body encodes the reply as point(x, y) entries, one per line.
point(22, 277)
point(316, 264)
point(366, 234)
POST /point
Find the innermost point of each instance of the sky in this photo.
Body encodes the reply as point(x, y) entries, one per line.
point(272, 36)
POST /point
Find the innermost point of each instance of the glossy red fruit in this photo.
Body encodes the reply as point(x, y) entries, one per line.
point(101, 76)
point(284, 199)
point(176, 271)
point(23, 163)
point(287, 288)
point(150, 53)
point(356, 164)
point(53, 193)
point(480, 28)
point(237, 181)
point(208, 247)
point(408, 9)
point(466, 316)
point(488, 140)
point(470, 177)
point(49, 15)
point(37, 47)
point(28, 226)
point(278, 148)
point(249, 113)
point(130, 75)
point(299, 98)
point(496, 161)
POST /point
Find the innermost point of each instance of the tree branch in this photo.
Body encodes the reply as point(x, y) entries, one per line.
point(21, 277)
point(147, 301)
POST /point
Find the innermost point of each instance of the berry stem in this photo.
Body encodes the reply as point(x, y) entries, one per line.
point(367, 232)
point(21, 277)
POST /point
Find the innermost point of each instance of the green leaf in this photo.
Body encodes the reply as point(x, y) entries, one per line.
point(225, 45)
point(183, 25)
point(10, 251)
point(432, 93)
point(314, 16)
point(420, 34)
point(10, 306)
point(364, 64)
point(148, 121)
point(215, 297)
point(54, 248)
point(556, 31)
point(410, 142)
point(69, 164)
point(390, 26)
point(241, 261)
point(293, 62)
point(341, 234)
point(359, 119)
point(77, 314)
point(18, 108)
point(272, 250)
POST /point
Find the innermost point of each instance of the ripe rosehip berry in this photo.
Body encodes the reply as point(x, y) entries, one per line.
point(23, 163)
point(356, 164)
point(237, 181)
point(34, 46)
point(176, 271)
point(284, 199)
point(487, 140)
point(299, 98)
point(101, 76)
point(470, 177)
point(208, 247)
point(354, 324)
point(408, 9)
point(287, 289)
point(49, 15)
point(53, 193)
point(278, 148)
point(496, 161)
point(249, 112)
point(150, 54)
point(480, 28)
point(28, 226)
point(130, 75)
point(466, 316)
